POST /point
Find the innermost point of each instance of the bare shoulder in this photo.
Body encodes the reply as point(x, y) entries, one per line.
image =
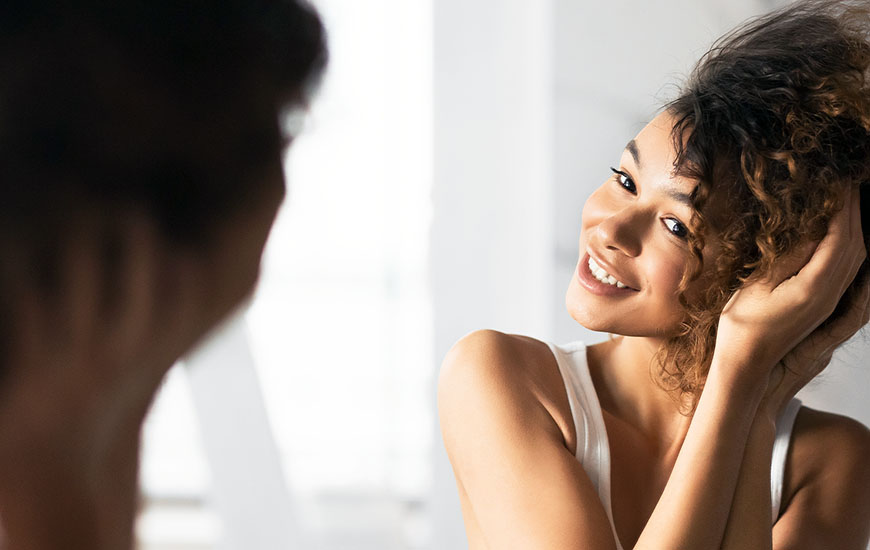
point(500, 359)
point(823, 441)
point(489, 345)
point(826, 480)
point(505, 370)
point(507, 429)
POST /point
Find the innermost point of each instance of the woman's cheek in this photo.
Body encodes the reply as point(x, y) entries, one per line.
point(596, 207)
point(667, 276)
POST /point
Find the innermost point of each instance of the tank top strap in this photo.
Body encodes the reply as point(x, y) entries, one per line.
point(593, 449)
point(784, 427)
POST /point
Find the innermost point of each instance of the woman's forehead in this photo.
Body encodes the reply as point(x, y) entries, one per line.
point(653, 156)
point(653, 146)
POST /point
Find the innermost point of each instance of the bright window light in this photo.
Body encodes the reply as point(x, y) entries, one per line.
point(340, 325)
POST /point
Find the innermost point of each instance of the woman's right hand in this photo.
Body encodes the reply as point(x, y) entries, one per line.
point(777, 315)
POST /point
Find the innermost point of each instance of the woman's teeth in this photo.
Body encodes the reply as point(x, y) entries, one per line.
point(602, 275)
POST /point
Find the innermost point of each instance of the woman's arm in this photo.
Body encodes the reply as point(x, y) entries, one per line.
point(828, 473)
point(508, 447)
point(748, 524)
point(694, 507)
point(526, 489)
point(524, 486)
point(827, 478)
point(763, 321)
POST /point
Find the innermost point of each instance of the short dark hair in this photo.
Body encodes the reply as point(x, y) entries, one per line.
point(167, 106)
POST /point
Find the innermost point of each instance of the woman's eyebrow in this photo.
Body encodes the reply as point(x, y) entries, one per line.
point(673, 193)
point(679, 196)
point(635, 152)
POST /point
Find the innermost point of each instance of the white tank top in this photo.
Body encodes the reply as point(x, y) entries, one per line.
point(593, 450)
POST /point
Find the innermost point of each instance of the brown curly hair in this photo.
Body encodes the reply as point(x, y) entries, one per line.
point(774, 124)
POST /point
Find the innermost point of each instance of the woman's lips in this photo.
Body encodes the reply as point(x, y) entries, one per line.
point(593, 285)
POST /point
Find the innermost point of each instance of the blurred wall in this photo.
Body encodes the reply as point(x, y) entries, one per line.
point(493, 208)
point(533, 101)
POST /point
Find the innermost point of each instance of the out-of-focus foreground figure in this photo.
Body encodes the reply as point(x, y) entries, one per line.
point(140, 145)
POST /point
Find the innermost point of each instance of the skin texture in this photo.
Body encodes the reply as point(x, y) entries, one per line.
point(636, 244)
point(97, 353)
point(695, 482)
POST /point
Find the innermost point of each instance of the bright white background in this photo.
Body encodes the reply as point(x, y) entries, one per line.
point(436, 189)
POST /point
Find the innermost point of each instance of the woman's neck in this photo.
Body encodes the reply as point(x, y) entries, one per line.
point(623, 370)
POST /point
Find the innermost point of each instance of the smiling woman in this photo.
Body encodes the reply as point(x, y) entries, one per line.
point(727, 254)
point(634, 232)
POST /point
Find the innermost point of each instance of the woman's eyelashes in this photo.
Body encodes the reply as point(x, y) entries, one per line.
point(673, 225)
point(676, 228)
point(624, 180)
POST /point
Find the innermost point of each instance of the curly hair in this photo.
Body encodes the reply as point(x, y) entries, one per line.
point(774, 125)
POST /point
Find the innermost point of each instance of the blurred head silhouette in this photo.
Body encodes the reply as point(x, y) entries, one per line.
point(140, 146)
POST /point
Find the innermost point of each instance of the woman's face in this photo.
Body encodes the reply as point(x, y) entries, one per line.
point(633, 247)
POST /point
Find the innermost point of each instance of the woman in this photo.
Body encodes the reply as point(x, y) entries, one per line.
point(141, 146)
point(727, 254)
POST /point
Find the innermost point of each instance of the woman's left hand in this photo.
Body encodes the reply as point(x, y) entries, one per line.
point(771, 317)
point(810, 357)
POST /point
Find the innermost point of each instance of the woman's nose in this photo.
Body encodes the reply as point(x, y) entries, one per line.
point(622, 231)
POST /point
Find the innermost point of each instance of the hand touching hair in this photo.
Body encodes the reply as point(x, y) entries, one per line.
point(774, 124)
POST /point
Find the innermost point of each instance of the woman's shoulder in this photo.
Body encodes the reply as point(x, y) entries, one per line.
point(498, 350)
point(829, 462)
point(821, 438)
point(507, 430)
point(505, 371)
point(505, 359)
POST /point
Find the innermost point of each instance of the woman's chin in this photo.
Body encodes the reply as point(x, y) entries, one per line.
point(588, 317)
point(595, 325)
point(592, 319)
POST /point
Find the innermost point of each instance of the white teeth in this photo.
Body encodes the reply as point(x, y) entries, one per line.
point(602, 275)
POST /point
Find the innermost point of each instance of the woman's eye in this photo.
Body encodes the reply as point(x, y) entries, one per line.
point(676, 228)
point(624, 180)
